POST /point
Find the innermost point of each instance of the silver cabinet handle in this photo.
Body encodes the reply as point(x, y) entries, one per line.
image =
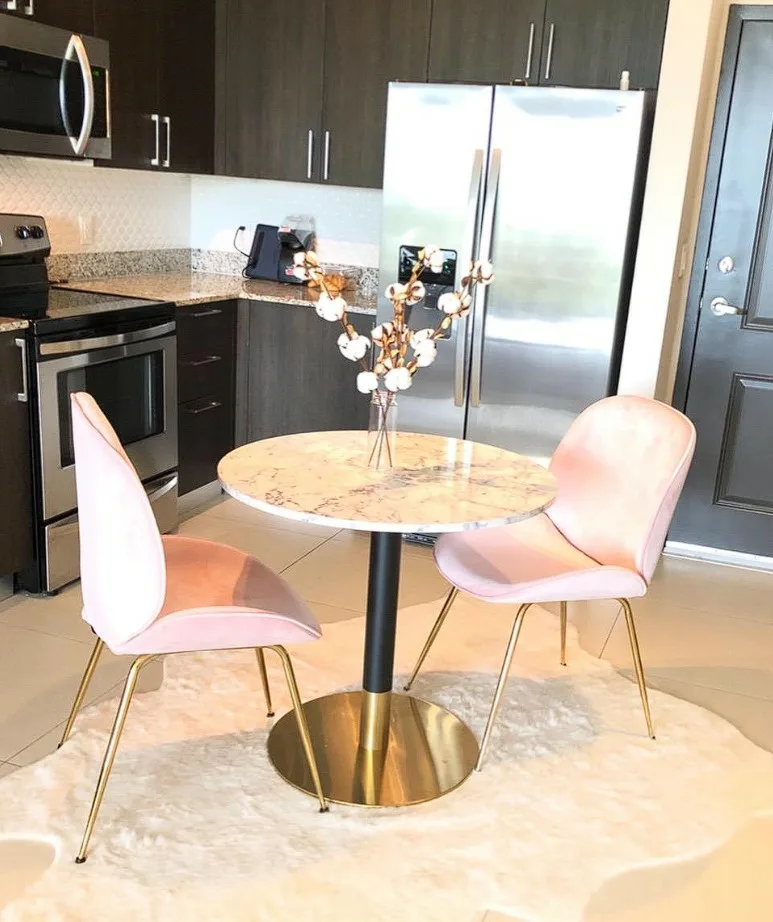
point(209, 312)
point(76, 50)
point(326, 167)
point(207, 360)
point(157, 159)
point(24, 394)
point(168, 125)
point(530, 53)
point(481, 293)
point(549, 62)
point(467, 251)
point(309, 153)
point(721, 308)
point(211, 405)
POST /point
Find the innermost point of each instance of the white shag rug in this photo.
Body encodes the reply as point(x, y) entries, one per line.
point(196, 825)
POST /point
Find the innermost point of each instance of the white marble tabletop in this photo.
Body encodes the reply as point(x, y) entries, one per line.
point(437, 484)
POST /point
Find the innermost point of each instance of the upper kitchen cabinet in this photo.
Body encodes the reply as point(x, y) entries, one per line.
point(490, 41)
point(591, 42)
point(366, 46)
point(162, 78)
point(73, 15)
point(270, 88)
point(187, 84)
point(132, 28)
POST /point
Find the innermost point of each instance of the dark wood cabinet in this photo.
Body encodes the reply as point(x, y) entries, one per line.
point(272, 93)
point(206, 364)
point(187, 84)
point(366, 46)
point(16, 530)
point(591, 42)
point(296, 380)
point(73, 15)
point(490, 41)
point(162, 78)
point(131, 27)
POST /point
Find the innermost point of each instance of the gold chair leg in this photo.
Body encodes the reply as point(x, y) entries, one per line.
point(432, 635)
point(82, 689)
point(637, 664)
point(563, 633)
point(303, 727)
point(112, 746)
point(502, 682)
point(264, 679)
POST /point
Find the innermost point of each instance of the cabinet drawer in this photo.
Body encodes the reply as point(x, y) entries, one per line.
point(206, 329)
point(205, 433)
point(206, 373)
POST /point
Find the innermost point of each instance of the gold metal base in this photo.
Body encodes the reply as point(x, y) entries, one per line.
point(429, 753)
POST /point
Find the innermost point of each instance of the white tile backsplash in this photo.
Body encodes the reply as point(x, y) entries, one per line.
point(348, 220)
point(137, 210)
point(126, 209)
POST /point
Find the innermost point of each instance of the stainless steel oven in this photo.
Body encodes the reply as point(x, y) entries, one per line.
point(54, 91)
point(132, 376)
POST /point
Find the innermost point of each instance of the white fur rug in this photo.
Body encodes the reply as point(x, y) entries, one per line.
point(197, 826)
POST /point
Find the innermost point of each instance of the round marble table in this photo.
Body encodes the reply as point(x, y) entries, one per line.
point(375, 747)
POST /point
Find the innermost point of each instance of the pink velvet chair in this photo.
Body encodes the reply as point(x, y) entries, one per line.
point(620, 470)
point(147, 595)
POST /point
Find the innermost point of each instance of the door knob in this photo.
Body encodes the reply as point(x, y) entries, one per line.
point(721, 308)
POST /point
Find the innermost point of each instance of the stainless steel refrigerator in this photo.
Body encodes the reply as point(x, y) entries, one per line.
point(547, 183)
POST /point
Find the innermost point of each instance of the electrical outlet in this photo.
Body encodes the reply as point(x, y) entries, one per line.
point(86, 225)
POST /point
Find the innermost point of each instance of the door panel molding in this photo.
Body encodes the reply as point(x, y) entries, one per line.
point(739, 15)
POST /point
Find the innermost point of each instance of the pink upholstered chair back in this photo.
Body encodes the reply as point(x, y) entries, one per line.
point(123, 573)
point(620, 469)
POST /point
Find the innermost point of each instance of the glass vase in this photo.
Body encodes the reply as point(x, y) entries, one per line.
point(382, 428)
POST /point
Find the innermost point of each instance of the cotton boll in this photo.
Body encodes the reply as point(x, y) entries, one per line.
point(450, 303)
point(355, 348)
point(398, 379)
point(419, 336)
point(367, 382)
point(330, 309)
point(425, 353)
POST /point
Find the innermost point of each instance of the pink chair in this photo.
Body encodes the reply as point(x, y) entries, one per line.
point(146, 596)
point(620, 470)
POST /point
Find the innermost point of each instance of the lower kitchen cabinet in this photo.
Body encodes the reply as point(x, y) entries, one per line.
point(16, 547)
point(206, 349)
point(293, 378)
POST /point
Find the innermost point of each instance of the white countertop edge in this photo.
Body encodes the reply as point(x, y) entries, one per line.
point(402, 528)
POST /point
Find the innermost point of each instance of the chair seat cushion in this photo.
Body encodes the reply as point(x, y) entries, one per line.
point(530, 561)
point(218, 597)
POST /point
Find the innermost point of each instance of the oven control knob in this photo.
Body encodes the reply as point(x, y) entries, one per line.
point(23, 232)
point(37, 232)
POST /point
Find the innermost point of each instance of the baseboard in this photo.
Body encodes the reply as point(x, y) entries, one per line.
point(190, 504)
point(718, 555)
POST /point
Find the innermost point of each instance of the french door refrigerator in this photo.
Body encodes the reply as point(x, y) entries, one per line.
point(547, 183)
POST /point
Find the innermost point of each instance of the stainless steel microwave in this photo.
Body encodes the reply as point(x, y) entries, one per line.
point(54, 91)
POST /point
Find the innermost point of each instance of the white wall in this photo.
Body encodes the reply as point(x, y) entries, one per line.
point(348, 221)
point(128, 210)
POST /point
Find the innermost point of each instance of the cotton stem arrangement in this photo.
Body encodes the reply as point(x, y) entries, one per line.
point(401, 351)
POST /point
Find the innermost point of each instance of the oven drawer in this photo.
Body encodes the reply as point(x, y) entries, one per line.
point(206, 329)
point(206, 433)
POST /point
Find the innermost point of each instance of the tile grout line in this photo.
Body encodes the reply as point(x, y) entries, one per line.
point(309, 552)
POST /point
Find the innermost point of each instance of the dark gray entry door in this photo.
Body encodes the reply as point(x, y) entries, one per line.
point(728, 498)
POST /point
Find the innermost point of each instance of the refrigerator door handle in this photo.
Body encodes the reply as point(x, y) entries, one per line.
point(468, 248)
point(481, 296)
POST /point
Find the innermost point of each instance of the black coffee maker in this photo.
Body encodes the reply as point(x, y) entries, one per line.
point(272, 254)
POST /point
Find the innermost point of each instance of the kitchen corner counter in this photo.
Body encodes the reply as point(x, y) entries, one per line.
point(188, 288)
point(9, 324)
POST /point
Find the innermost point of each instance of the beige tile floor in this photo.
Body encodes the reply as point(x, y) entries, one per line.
point(706, 632)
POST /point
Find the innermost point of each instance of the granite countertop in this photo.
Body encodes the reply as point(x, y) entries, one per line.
point(8, 324)
point(186, 288)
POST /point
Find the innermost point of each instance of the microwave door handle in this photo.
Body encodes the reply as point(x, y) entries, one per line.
point(481, 292)
point(467, 252)
point(76, 50)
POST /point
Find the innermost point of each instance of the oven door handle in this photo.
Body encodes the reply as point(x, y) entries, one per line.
point(104, 342)
point(76, 50)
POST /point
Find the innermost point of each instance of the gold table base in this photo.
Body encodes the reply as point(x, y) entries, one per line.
point(429, 751)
